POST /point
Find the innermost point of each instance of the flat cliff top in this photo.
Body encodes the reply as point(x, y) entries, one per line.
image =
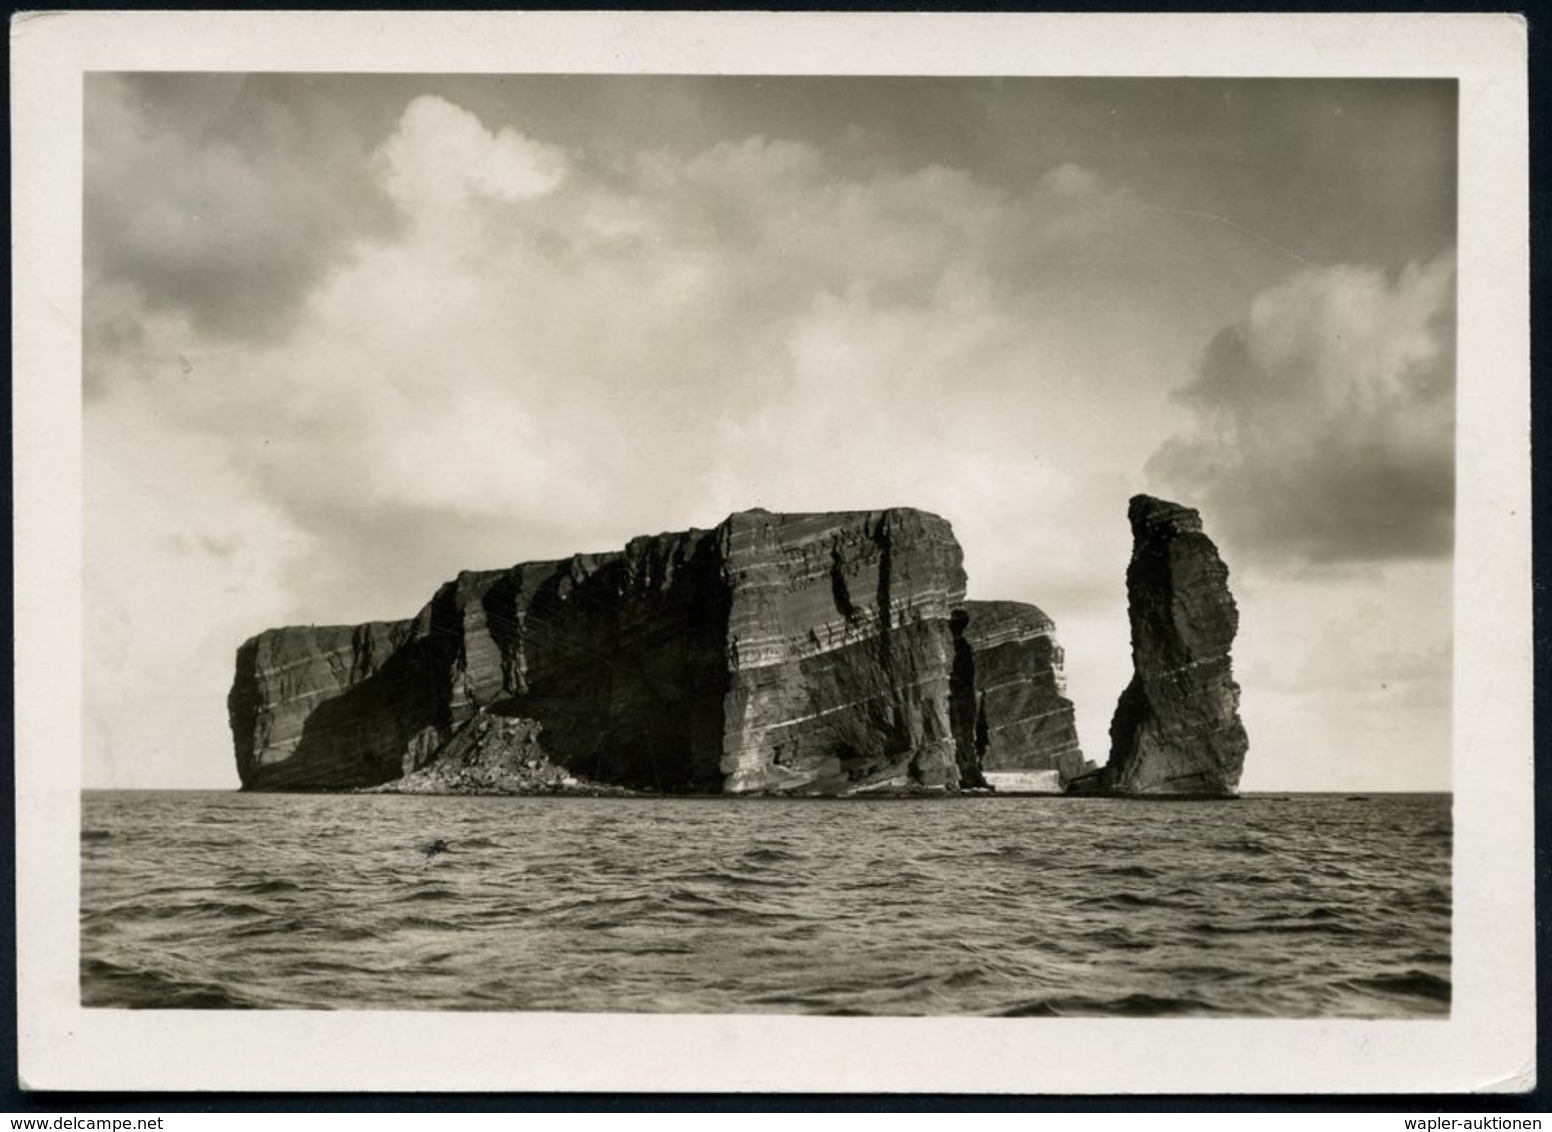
point(789, 522)
point(1155, 518)
point(331, 635)
point(1017, 612)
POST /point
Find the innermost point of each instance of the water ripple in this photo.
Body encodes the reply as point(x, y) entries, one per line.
point(1037, 907)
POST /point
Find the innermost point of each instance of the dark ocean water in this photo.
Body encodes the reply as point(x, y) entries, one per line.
point(1309, 905)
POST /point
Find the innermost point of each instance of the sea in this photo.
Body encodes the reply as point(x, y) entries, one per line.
point(1283, 906)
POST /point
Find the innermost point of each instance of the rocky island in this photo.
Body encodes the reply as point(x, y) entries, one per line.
point(829, 653)
point(1176, 730)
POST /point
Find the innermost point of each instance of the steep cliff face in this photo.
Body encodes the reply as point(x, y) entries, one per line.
point(1176, 729)
point(789, 653)
point(1024, 730)
point(339, 707)
point(840, 651)
point(617, 657)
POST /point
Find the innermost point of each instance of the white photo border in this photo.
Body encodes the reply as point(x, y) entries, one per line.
point(1488, 1042)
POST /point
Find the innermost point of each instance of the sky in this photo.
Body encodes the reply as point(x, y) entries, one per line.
point(345, 336)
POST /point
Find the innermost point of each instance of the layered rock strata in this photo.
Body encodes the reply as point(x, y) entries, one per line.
point(1176, 729)
point(1024, 731)
point(839, 651)
point(774, 653)
point(616, 657)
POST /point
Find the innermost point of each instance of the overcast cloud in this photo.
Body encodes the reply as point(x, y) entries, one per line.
point(345, 337)
point(222, 208)
point(1327, 417)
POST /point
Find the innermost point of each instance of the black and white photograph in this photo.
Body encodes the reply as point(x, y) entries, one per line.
point(656, 543)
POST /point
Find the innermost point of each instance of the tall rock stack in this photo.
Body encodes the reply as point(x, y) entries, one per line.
point(1176, 730)
point(815, 653)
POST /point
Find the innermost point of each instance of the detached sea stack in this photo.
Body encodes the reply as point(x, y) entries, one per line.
point(828, 653)
point(1176, 730)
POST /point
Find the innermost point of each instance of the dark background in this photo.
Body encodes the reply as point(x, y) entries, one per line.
point(13, 1099)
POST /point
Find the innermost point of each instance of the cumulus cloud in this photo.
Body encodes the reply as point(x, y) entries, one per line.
point(324, 381)
point(1325, 421)
point(441, 155)
point(536, 335)
point(1319, 442)
point(541, 355)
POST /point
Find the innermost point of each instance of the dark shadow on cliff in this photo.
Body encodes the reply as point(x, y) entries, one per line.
point(966, 715)
point(628, 693)
point(402, 699)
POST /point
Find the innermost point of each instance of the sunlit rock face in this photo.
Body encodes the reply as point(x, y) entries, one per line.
point(820, 653)
point(840, 651)
point(1024, 728)
point(1176, 729)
